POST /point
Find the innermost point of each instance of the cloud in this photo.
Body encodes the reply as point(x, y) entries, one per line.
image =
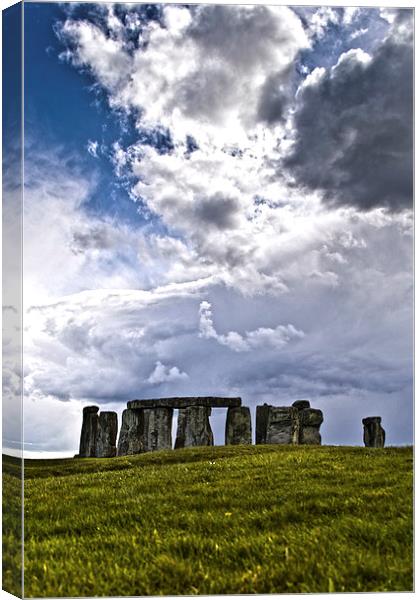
point(92, 48)
point(274, 100)
point(92, 148)
point(164, 374)
point(320, 20)
point(262, 337)
point(84, 243)
point(353, 127)
point(120, 336)
point(313, 291)
point(358, 32)
point(98, 251)
point(350, 14)
point(103, 346)
point(188, 75)
point(218, 211)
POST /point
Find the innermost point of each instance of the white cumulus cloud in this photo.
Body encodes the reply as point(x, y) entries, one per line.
point(164, 374)
point(263, 337)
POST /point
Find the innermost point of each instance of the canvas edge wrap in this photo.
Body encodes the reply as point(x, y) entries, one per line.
point(12, 245)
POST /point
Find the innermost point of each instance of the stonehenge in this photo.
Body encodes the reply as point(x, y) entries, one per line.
point(147, 426)
point(296, 424)
point(145, 430)
point(238, 426)
point(99, 433)
point(301, 404)
point(185, 402)
point(261, 423)
point(157, 429)
point(89, 432)
point(131, 433)
point(106, 441)
point(373, 433)
point(310, 421)
point(282, 425)
point(194, 427)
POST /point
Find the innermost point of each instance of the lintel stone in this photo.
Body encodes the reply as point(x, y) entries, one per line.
point(185, 402)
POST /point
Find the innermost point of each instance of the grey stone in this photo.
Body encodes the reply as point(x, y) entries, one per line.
point(87, 447)
point(194, 427)
point(283, 425)
point(131, 439)
point(373, 433)
point(106, 440)
point(261, 423)
point(238, 426)
point(301, 404)
point(310, 420)
point(157, 429)
point(185, 401)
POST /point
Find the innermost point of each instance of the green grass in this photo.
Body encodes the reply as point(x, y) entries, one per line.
point(223, 520)
point(12, 525)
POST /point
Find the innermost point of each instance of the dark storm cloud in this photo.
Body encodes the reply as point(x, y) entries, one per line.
point(354, 130)
point(218, 211)
point(235, 43)
point(237, 33)
point(202, 92)
point(96, 238)
point(273, 100)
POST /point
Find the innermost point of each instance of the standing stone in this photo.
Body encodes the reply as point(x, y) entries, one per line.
point(194, 427)
point(373, 433)
point(238, 426)
point(310, 420)
point(106, 439)
point(87, 447)
point(157, 429)
point(283, 425)
point(131, 440)
point(261, 423)
point(301, 404)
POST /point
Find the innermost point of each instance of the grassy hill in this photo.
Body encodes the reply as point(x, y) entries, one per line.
point(222, 520)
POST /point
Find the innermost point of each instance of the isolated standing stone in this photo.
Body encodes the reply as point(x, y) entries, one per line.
point(310, 420)
point(131, 439)
point(261, 423)
point(157, 429)
point(194, 427)
point(87, 447)
point(373, 433)
point(283, 425)
point(106, 439)
point(238, 426)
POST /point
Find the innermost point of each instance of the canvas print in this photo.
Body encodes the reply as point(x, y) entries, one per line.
point(207, 299)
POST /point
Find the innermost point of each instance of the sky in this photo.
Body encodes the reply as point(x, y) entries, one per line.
point(218, 201)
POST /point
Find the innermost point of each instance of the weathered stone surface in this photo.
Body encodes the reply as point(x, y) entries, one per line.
point(106, 439)
point(184, 402)
point(87, 447)
point(283, 425)
point(301, 404)
point(311, 417)
point(131, 439)
point(261, 423)
point(157, 429)
point(373, 433)
point(238, 426)
point(194, 427)
point(310, 420)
